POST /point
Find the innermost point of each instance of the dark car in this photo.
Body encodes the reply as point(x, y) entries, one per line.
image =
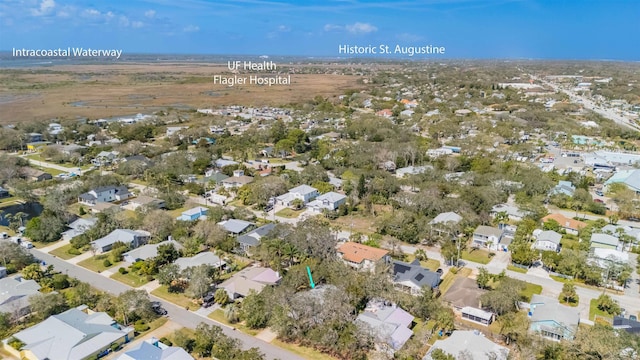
point(157, 308)
point(439, 271)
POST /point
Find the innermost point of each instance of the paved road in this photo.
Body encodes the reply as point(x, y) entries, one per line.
point(45, 164)
point(177, 314)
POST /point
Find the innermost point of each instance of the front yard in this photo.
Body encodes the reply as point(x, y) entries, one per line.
point(176, 298)
point(530, 290)
point(480, 256)
point(63, 252)
point(131, 278)
point(289, 213)
point(218, 315)
point(96, 263)
point(594, 311)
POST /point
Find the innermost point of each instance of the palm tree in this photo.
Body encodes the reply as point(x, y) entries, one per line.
point(20, 216)
point(291, 253)
point(421, 255)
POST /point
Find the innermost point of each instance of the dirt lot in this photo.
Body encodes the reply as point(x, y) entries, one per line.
point(97, 91)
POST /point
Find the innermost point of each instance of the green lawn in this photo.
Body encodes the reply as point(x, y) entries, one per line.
point(430, 264)
point(480, 256)
point(304, 352)
point(593, 310)
point(95, 263)
point(289, 213)
point(155, 324)
point(516, 269)
point(130, 278)
point(63, 252)
point(530, 290)
point(218, 315)
point(560, 279)
point(176, 298)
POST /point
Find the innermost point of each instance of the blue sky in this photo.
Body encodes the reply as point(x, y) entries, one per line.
point(550, 29)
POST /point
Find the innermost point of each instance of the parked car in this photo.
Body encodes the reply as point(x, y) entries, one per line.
point(157, 308)
point(633, 318)
point(26, 244)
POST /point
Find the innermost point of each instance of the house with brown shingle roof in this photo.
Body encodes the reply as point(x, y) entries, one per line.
point(570, 225)
point(362, 257)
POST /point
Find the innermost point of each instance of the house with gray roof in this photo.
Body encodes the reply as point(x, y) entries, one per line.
point(563, 188)
point(487, 236)
point(153, 349)
point(513, 212)
point(469, 345)
point(79, 227)
point(547, 240)
point(551, 319)
point(249, 279)
point(133, 238)
point(203, 258)
point(77, 333)
point(631, 178)
point(15, 293)
point(411, 277)
point(235, 226)
point(329, 201)
point(104, 194)
point(389, 324)
point(252, 239)
point(148, 251)
point(446, 217)
point(605, 241)
point(304, 193)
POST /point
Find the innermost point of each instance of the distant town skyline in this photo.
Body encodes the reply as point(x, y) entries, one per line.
point(501, 29)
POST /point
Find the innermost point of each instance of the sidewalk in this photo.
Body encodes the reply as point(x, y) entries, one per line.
point(77, 259)
point(54, 246)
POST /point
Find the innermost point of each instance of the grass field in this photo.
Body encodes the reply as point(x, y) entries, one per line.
point(117, 89)
point(593, 310)
point(289, 213)
point(516, 269)
point(95, 264)
point(479, 256)
point(304, 352)
point(131, 278)
point(63, 252)
point(178, 299)
point(218, 315)
point(530, 290)
point(563, 301)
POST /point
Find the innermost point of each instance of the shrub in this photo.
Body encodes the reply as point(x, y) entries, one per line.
point(106, 263)
point(122, 271)
point(166, 341)
point(454, 270)
point(115, 347)
point(81, 211)
point(140, 326)
point(74, 251)
point(150, 278)
point(15, 343)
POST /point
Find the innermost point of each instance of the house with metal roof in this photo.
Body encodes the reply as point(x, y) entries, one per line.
point(104, 194)
point(252, 239)
point(79, 227)
point(446, 217)
point(411, 277)
point(77, 333)
point(487, 236)
point(133, 238)
point(470, 345)
point(148, 251)
point(329, 201)
point(547, 240)
point(153, 349)
point(15, 293)
point(389, 324)
point(304, 193)
point(551, 319)
point(563, 188)
point(203, 258)
point(605, 241)
point(477, 315)
point(631, 178)
point(235, 226)
point(193, 214)
point(628, 325)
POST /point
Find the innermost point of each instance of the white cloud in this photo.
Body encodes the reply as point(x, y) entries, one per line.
point(361, 28)
point(191, 28)
point(150, 14)
point(284, 28)
point(137, 24)
point(332, 27)
point(124, 21)
point(91, 13)
point(45, 8)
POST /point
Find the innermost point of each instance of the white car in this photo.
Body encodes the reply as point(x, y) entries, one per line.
point(26, 244)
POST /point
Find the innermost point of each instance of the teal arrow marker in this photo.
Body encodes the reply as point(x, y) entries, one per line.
point(313, 286)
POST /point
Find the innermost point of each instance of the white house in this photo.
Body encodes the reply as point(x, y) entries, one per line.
point(329, 201)
point(133, 238)
point(305, 193)
point(104, 194)
point(548, 240)
point(237, 180)
point(172, 130)
point(487, 236)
